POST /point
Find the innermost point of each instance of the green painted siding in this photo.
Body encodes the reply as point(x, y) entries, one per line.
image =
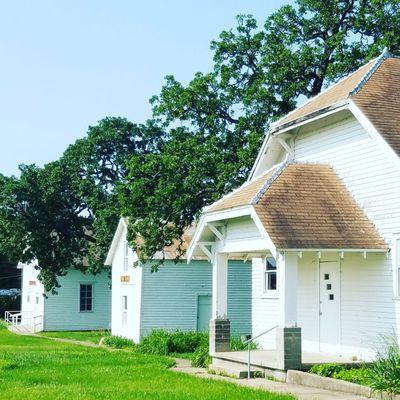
point(169, 296)
point(61, 311)
point(239, 297)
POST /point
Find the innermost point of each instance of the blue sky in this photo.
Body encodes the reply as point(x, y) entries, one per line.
point(67, 64)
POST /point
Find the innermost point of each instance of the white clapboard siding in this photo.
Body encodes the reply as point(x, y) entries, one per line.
point(373, 178)
point(264, 309)
point(131, 289)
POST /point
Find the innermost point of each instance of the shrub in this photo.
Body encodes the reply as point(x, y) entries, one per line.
point(337, 371)
point(327, 370)
point(238, 344)
point(384, 374)
point(186, 342)
point(201, 357)
point(118, 342)
point(157, 343)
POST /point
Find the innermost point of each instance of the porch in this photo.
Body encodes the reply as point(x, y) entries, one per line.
point(266, 362)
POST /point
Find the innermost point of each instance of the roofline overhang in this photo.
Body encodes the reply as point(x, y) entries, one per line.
point(311, 117)
point(118, 232)
point(337, 250)
point(263, 244)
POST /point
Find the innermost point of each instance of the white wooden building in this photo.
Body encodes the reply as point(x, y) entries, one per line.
point(320, 220)
point(176, 297)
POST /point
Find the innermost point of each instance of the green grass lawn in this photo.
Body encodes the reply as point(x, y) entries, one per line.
point(36, 368)
point(83, 336)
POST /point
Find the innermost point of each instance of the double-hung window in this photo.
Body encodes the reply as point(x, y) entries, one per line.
point(270, 277)
point(124, 310)
point(126, 249)
point(86, 298)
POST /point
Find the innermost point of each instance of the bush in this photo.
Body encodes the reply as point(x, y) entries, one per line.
point(337, 371)
point(327, 370)
point(384, 374)
point(3, 325)
point(238, 344)
point(161, 342)
point(118, 342)
point(186, 342)
point(201, 357)
point(157, 343)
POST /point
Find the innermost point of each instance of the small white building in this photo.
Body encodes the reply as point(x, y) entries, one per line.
point(176, 297)
point(82, 302)
point(320, 220)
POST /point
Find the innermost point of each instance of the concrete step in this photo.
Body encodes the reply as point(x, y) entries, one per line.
point(21, 329)
point(238, 369)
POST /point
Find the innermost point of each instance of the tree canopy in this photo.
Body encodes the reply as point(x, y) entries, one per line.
point(200, 143)
point(259, 74)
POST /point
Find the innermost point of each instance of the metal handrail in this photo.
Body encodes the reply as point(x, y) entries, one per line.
point(249, 341)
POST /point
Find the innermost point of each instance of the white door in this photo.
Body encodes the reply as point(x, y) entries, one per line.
point(329, 306)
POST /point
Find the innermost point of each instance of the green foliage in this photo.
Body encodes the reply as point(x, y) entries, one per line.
point(327, 370)
point(3, 325)
point(238, 344)
point(384, 374)
point(337, 371)
point(217, 121)
point(9, 303)
point(157, 343)
point(64, 214)
point(118, 342)
point(162, 342)
point(82, 336)
point(201, 357)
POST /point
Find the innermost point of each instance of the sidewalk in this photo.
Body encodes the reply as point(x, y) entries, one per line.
point(300, 392)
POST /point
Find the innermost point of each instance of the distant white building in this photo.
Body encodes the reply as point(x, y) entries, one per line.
point(176, 297)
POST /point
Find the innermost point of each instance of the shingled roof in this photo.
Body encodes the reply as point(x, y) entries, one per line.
point(374, 88)
point(302, 206)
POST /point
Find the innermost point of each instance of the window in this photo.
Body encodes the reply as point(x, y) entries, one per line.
point(126, 248)
point(270, 276)
point(37, 299)
point(28, 299)
point(124, 310)
point(86, 298)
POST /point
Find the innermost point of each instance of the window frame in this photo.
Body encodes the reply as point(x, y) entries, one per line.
point(125, 257)
point(80, 298)
point(265, 280)
point(124, 320)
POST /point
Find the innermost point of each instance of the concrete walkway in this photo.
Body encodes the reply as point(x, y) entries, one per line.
point(299, 391)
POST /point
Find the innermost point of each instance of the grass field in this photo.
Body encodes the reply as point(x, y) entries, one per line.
point(36, 368)
point(83, 336)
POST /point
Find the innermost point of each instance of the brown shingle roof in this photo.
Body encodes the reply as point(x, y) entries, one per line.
point(379, 100)
point(334, 94)
point(374, 88)
point(307, 206)
point(243, 195)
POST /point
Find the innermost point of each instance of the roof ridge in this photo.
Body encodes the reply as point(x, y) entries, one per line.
point(379, 60)
point(267, 184)
point(242, 186)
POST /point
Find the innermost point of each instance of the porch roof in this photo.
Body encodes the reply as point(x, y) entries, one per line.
point(305, 206)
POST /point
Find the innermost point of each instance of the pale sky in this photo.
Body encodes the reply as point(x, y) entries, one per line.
point(66, 64)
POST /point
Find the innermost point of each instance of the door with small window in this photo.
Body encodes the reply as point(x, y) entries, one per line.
point(329, 307)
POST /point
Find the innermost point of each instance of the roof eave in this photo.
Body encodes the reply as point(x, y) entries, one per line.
point(322, 112)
